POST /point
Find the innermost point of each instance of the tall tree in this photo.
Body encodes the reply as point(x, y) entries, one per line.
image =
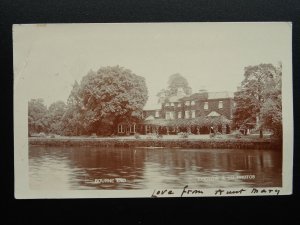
point(36, 116)
point(54, 116)
point(259, 95)
point(176, 83)
point(108, 96)
point(72, 121)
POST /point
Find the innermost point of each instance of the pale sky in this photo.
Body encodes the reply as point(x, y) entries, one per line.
point(49, 58)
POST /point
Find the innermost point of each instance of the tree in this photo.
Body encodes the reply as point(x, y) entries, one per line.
point(259, 100)
point(36, 116)
point(272, 106)
point(72, 120)
point(176, 82)
point(54, 116)
point(107, 97)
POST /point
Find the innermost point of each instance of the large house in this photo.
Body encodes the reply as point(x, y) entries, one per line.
point(199, 113)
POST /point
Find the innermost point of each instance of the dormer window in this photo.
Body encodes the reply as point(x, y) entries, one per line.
point(187, 103)
point(192, 102)
point(179, 105)
point(172, 104)
point(167, 104)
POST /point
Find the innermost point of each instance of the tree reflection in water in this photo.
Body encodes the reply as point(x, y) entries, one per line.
point(141, 168)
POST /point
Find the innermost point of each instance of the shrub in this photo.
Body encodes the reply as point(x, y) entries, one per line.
point(137, 136)
point(41, 134)
point(159, 135)
point(236, 134)
point(183, 135)
point(150, 135)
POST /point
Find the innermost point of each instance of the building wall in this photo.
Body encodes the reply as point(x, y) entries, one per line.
point(213, 105)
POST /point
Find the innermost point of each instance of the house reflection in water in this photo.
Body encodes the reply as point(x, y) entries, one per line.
point(79, 167)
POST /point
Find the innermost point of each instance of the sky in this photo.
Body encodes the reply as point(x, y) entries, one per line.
point(48, 58)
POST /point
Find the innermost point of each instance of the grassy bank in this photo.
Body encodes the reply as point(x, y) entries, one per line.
point(194, 143)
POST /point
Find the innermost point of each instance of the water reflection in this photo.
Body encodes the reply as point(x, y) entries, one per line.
point(78, 167)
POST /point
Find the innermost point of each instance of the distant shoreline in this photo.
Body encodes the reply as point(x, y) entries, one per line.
point(111, 142)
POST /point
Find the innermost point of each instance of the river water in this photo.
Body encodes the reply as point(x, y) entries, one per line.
point(143, 168)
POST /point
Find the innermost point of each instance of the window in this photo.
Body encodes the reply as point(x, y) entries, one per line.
point(187, 114)
point(179, 115)
point(187, 103)
point(156, 113)
point(220, 104)
point(172, 115)
point(206, 105)
point(167, 104)
point(234, 104)
point(120, 128)
point(148, 128)
point(179, 105)
point(172, 103)
point(192, 102)
point(169, 115)
point(193, 113)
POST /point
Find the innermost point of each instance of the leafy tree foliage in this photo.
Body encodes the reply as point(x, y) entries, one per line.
point(36, 115)
point(72, 120)
point(105, 98)
point(54, 116)
point(175, 83)
point(259, 100)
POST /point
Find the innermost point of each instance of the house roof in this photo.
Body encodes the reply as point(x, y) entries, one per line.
point(195, 96)
point(207, 95)
point(151, 117)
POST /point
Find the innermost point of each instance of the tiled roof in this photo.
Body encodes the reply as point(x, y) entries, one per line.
point(150, 118)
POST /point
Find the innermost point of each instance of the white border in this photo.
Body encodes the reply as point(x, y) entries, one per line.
point(22, 190)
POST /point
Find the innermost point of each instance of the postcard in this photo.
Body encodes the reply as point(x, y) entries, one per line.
point(125, 110)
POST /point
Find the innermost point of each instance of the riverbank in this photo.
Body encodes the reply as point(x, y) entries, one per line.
point(194, 143)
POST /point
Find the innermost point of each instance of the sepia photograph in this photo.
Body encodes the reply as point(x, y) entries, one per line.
point(153, 109)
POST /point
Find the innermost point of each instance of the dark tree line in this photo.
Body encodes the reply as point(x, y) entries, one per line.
point(96, 105)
